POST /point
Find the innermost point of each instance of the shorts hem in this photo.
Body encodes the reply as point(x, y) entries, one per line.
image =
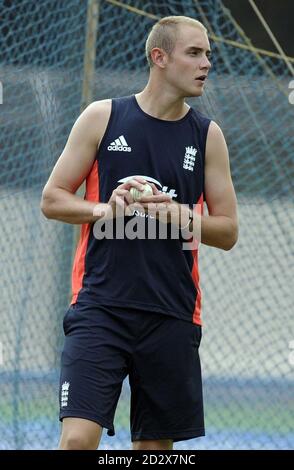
point(175, 436)
point(153, 308)
point(81, 414)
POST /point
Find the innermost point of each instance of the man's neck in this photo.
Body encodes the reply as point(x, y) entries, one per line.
point(161, 105)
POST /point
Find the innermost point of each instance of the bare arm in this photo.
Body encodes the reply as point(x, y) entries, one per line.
point(220, 227)
point(74, 164)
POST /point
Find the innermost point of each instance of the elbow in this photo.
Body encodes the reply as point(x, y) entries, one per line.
point(230, 243)
point(46, 204)
point(232, 237)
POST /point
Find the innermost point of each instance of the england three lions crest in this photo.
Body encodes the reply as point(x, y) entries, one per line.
point(189, 158)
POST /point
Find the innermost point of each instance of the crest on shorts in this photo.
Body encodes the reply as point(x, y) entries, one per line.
point(64, 394)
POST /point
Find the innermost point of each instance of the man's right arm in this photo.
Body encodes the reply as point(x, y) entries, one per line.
point(59, 200)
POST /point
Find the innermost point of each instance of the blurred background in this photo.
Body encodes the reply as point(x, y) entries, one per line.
point(56, 56)
point(278, 16)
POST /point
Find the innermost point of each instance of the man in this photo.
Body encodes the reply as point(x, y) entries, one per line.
point(136, 302)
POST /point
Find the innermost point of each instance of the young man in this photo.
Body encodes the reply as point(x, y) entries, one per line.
point(136, 302)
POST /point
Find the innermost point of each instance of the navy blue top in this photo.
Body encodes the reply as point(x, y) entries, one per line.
point(151, 274)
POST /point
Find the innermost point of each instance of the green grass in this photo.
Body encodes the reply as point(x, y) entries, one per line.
point(247, 418)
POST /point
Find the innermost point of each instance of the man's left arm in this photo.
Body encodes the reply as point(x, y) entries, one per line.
point(220, 227)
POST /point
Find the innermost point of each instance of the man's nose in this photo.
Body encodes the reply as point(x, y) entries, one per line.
point(205, 63)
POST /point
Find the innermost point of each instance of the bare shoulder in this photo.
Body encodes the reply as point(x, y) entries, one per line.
point(219, 191)
point(99, 109)
point(101, 106)
point(214, 132)
point(216, 147)
point(78, 155)
point(96, 117)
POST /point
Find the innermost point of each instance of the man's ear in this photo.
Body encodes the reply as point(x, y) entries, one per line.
point(159, 57)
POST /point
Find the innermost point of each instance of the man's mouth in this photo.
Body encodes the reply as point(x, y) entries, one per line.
point(202, 78)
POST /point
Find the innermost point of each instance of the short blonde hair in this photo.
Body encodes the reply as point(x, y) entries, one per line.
point(164, 34)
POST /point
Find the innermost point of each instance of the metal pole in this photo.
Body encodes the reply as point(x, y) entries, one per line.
point(88, 83)
point(90, 52)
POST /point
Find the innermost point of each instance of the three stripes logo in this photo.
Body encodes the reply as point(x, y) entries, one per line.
point(120, 145)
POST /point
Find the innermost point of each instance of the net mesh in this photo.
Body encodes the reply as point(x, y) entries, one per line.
point(247, 360)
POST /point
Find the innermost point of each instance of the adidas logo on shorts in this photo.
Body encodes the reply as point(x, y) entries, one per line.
point(119, 145)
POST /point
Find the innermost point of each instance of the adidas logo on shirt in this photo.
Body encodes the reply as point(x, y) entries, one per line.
point(120, 145)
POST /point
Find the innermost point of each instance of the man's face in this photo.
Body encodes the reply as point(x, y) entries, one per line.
point(189, 61)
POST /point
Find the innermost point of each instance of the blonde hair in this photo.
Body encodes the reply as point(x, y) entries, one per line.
point(164, 34)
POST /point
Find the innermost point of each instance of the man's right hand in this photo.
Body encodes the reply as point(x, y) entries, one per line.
point(121, 197)
point(122, 203)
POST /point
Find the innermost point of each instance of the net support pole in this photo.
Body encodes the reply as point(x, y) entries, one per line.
point(90, 52)
point(88, 83)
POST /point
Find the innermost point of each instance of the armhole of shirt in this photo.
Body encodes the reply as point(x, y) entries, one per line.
point(205, 132)
point(110, 119)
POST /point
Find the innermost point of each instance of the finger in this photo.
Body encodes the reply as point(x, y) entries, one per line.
point(131, 208)
point(162, 206)
point(128, 197)
point(140, 179)
point(120, 191)
point(156, 198)
point(154, 188)
point(150, 208)
point(117, 192)
point(120, 208)
point(133, 184)
point(126, 194)
point(118, 198)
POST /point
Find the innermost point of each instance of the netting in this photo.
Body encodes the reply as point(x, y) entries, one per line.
point(248, 300)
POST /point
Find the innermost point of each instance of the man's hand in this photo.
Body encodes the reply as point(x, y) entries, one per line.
point(122, 203)
point(164, 208)
point(159, 205)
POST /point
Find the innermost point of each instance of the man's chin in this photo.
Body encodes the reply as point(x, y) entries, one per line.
point(195, 93)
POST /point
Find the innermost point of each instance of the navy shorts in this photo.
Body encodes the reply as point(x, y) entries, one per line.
point(158, 352)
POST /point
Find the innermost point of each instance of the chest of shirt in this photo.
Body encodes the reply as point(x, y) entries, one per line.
point(171, 158)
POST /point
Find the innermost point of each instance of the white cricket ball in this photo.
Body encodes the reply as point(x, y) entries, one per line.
point(137, 195)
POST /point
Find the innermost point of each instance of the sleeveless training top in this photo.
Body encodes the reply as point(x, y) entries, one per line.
point(155, 275)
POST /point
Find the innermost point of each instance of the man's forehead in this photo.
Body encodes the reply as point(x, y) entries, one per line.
point(192, 36)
